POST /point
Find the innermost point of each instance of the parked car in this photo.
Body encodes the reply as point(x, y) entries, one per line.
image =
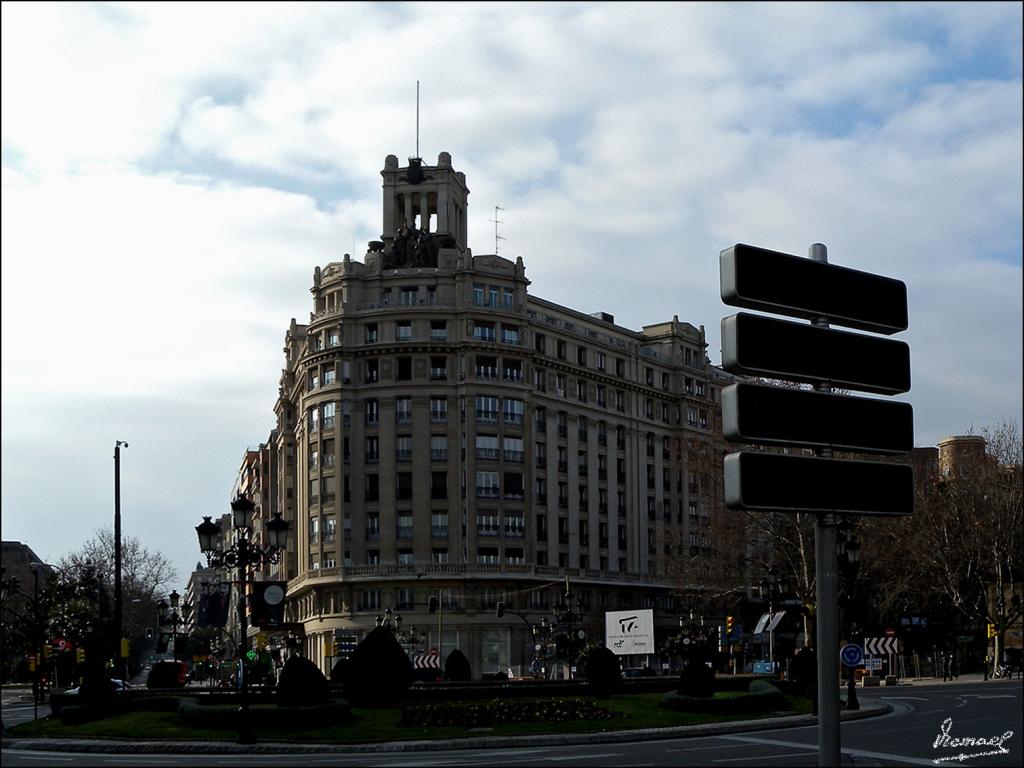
point(168, 674)
point(115, 685)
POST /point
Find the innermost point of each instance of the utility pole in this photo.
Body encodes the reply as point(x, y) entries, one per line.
point(118, 629)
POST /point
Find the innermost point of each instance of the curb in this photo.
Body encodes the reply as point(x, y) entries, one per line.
point(475, 742)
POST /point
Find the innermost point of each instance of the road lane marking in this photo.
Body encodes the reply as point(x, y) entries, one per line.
point(851, 752)
point(764, 757)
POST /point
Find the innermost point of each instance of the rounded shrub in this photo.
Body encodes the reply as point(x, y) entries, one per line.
point(456, 667)
point(339, 672)
point(379, 671)
point(697, 679)
point(302, 684)
point(603, 673)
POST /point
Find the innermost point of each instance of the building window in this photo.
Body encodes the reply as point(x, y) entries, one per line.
point(438, 447)
point(486, 408)
point(438, 410)
point(403, 369)
point(507, 295)
point(403, 486)
point(333, 337)
point(371, 333)
point(513, 371)
point(314, 379)
point(373, 557)
point(314, 419)
point(327, 489)
point(329, 409)
point(438, 485)
point(314, 531)
point(330, 376)
point(487, 447)
point(539, 379)
point(439, 330)
point(478, 294)
point(513, 449)
point(513, 485)
point(509, 335)
point(600, 361)
point(487, 525)
point(405, 526)
point(372, 371)
point(372, 413)
point(403, 448)
point(408, 296)
point(439, 556)
point(373, 487)
point(403, 410)
point(487, 556)
point(515, 525)
point(560, 349)
point(581, 356)
point(438, 368)
point(513, 411)
point(373, 526)
point(492, 296)
point(486, 367)
point(540, 343)
point(330, 529)
point(487, 485)
point(439, 525)
point(369, 599)
point(372, 450)
point(483, 331)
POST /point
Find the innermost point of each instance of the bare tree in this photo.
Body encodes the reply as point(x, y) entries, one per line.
point(146, 578)
point(972, 530)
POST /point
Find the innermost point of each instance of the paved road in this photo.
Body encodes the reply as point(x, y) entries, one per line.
point(906, 736)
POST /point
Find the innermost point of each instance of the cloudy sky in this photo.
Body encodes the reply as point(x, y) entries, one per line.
point(173, 173)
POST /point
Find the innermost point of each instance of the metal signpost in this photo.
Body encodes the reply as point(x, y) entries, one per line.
point(757, 346)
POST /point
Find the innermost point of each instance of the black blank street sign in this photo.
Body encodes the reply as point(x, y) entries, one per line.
point(755, 413)
point(780, 349)
point(757, 278)
point(777, 483)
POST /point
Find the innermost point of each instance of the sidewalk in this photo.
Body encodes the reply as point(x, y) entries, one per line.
point(541, 740)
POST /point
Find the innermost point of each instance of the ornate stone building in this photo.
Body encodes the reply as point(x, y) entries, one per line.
point(444, 433)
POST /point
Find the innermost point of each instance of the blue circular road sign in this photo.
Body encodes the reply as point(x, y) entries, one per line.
point(852, 655)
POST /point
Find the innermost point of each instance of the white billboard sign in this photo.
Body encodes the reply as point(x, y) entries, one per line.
point(629, 631)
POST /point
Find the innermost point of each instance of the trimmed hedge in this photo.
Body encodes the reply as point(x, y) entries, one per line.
point(302, 684)
point(225, 716)
point(603, 673)
point(74, 714)
point(762, 697)
point(477, 714)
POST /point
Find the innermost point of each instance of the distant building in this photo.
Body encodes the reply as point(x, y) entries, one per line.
point(444, 433)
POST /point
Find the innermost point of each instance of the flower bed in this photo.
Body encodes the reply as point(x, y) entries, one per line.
point(475, 714)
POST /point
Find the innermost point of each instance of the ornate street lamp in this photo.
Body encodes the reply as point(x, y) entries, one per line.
point(243, 555)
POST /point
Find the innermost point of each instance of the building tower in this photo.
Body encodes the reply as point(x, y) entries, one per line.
point(443, 435)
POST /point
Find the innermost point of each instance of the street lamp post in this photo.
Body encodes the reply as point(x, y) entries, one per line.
point(172, 614)
point(566, 617)
point(243, 555)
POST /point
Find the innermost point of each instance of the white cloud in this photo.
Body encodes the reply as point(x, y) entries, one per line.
point(173, 172)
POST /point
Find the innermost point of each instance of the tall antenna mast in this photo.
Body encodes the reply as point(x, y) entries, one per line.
point(497, 221)
point(417, 118)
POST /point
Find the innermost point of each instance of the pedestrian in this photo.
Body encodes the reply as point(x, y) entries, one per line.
point(954, 667)
point(943, 663)
point(947, 670)
point(984, 666)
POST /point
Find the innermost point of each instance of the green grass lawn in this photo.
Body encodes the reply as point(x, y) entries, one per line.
point(381, 725)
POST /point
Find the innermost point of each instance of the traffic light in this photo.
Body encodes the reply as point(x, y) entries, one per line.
point(149, 633)
point(991, 631)
point(47, 651)
point(432, 604)
point(728, 626)
point(334, 648)
point(500, 610)
point(80, 655)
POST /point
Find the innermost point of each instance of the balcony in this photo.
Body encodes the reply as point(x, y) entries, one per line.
point(488, 454)
point(488, 416)
point(486, 492)
point(439, 531)
point(439, 454)
point(403, 417)
point(513, 418)
point(514, 456)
